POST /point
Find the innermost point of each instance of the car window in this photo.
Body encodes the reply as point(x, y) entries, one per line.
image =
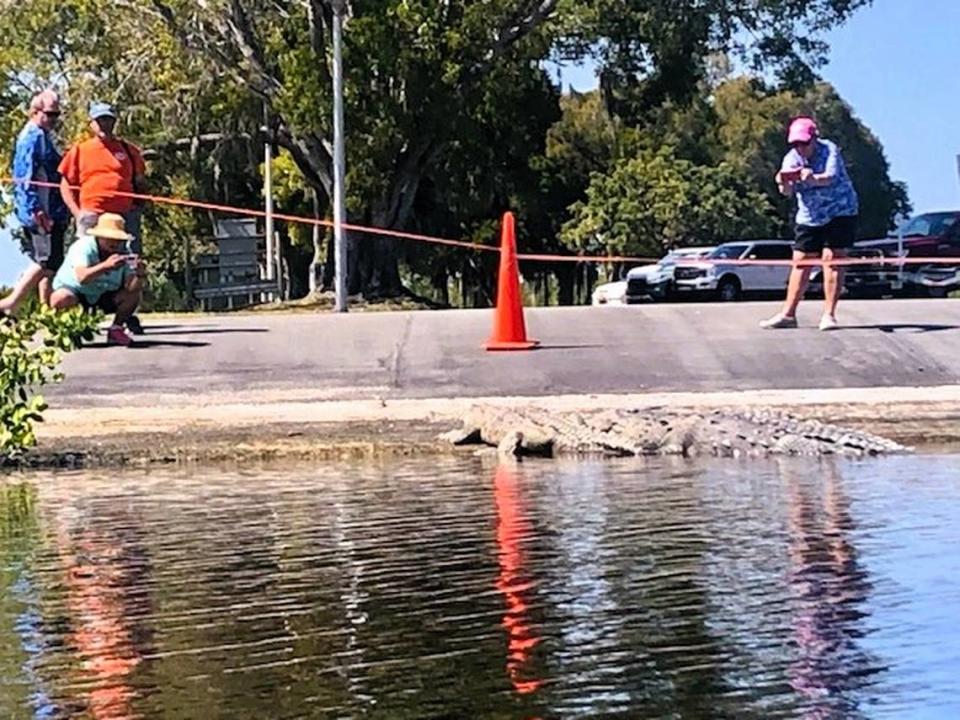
point(674, 256)
point(952, 233)
point(772, 252)
point(727, 252)
point(942, 223)
point(929, 224)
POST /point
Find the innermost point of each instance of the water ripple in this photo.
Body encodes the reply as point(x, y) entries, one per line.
point(454, 588)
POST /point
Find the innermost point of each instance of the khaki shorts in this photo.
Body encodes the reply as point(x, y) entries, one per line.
point(46, 250)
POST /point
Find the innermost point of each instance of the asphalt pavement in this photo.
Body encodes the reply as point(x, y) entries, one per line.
point(436, 354)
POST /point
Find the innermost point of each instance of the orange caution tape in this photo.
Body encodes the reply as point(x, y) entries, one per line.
point(301, 219)
point(403, 235)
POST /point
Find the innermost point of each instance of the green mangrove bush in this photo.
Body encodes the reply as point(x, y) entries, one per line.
point(31, 349)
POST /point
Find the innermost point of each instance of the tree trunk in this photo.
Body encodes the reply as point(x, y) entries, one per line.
point(441, 285)
point(315, 273)
point(565, 280)
point(385, 269)
point(283, 247)
point(329, 266)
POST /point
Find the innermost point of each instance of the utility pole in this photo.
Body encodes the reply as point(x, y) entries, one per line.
point(339, 240)
point(268, 196)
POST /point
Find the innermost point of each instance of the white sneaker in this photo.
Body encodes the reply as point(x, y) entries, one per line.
point(778, 321)
point(828, 322)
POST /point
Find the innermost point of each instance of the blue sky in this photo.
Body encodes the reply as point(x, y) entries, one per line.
point(896, 63)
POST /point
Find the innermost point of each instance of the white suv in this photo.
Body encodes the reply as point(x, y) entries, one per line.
point(730, 281)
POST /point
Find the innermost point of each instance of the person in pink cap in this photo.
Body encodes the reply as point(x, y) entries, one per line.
point(826, 220)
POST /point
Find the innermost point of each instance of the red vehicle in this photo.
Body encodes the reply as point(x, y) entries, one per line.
point(933, 235)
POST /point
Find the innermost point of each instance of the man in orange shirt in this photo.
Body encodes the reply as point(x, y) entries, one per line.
point(103, 166)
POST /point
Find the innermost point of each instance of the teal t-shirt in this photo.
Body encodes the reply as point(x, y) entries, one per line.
point(85, 253)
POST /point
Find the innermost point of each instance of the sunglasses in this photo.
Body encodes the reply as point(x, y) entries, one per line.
point(51, 113)
point(801, 144)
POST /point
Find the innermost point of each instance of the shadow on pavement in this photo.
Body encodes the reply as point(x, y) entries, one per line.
point(567, 347)
point(139, 344)
point(894, 327)
point(151, 330)
point(152, 326)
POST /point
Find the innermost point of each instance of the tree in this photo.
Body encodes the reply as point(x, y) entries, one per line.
point(429, 88)
point(752, 121)
point(657, 201)
point(477, 175)
point(657, 50)
point(415, 72)
point(585, 140)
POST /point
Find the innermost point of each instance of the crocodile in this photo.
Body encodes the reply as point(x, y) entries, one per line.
point(723, 432)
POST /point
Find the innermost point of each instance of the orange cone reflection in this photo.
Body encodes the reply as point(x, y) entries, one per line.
point(513, 582)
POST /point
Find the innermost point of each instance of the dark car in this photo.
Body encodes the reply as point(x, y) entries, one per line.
point(933, 235)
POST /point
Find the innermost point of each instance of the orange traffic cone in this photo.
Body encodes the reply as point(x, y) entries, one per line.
point(509, 330)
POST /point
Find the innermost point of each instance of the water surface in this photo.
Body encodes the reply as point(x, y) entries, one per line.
point(454, 588)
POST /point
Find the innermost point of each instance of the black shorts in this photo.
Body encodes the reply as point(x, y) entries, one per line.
point(34, 246)
point(837, 234)
point(106, 302)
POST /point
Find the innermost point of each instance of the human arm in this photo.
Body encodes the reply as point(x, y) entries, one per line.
point(87, 273)
point(139, 170)
point(786, 180)
point(830, 170)
point(789, 173)
point(69, 196)
point(810, 178)
point(69, 178)
point(136, 279)
point(28, 157)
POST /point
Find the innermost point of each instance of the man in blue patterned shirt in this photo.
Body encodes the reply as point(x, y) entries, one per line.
point(39, 208)
point(826, 221)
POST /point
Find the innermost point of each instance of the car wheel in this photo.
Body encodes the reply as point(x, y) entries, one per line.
point(728, 289)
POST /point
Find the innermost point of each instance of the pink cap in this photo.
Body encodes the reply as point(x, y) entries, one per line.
point(802, 129)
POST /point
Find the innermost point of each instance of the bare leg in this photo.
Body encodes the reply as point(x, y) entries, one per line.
point(45, 288)
point(797, 286)
point(27, 282)
point(127, 302)
point(63, 299)
point(832, 282)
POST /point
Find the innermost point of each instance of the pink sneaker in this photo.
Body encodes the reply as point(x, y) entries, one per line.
point(116, 335)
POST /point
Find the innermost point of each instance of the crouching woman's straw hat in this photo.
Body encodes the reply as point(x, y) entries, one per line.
point(111, 226)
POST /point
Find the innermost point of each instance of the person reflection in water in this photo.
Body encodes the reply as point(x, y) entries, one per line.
point(512, 527)
point(106, 572)
point(829, 589)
